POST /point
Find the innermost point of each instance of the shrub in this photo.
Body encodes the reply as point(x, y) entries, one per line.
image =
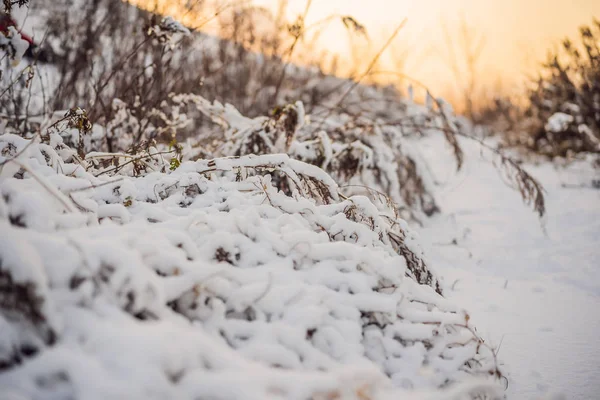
point(144, 81)
point(564, 110)
point(206, 273)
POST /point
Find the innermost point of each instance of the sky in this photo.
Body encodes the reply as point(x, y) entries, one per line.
point(515, 34)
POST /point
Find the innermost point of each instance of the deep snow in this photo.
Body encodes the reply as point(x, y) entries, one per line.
point(533, 287)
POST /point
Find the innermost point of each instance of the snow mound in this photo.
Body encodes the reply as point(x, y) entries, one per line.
point(208, 282)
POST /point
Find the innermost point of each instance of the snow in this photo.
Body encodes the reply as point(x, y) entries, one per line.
point(208, 282)
point(196, 282)
point(532, 287)
point(558, 122)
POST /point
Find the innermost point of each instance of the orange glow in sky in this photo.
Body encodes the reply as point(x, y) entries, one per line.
point(516, 33)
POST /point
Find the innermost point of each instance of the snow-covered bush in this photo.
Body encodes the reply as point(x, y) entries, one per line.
point(564, 106)
point(363, 155)
point(208, 281)
point(123, 53)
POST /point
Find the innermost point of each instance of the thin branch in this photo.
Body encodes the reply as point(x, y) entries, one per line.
point(365, 74)
point(297, 37)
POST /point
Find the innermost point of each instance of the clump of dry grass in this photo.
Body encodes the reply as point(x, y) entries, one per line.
point(354, 132)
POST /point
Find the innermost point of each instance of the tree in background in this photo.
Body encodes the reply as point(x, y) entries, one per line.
point(564, 108)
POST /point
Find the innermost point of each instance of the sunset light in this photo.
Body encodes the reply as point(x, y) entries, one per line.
point(299, 199)
point(514, 34)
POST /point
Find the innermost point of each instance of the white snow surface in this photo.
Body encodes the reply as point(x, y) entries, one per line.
point(533, 287)
point(197, 283)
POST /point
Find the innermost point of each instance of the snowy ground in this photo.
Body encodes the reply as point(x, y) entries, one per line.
point(534, 293)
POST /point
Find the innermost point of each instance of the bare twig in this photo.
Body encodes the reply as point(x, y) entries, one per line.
point(365, 74)
point(297, 36)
